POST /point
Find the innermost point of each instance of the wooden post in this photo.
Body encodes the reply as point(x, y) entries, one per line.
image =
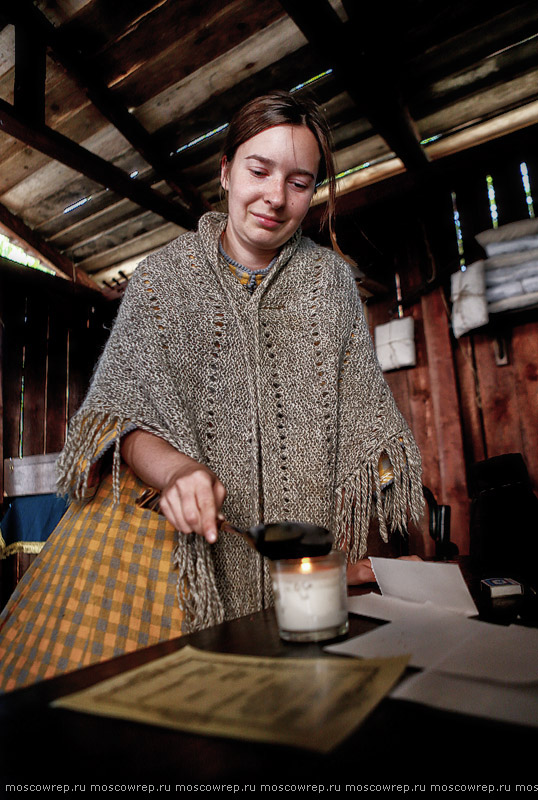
point(446, 412)
point(2, 297)
point(30, 73)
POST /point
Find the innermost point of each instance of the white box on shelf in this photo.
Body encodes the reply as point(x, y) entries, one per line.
point(395, 343)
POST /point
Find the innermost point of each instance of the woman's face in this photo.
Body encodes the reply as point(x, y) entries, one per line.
point(270, 183)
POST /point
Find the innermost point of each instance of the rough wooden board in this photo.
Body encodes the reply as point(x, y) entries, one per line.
point(114, 236)
point(219, 106)
point(61, 10)
point(522, 90)
point(223, 72)
point(7, 50)
point(188, 53)
point(137, 245)
point(20, 161)
point(486, 131)
point(83, 227)
point(92, 215)
point(499, 400)
point(54, 187)
point(56, 420)
point(453, 490)
point(13, 349)
point(511, 64)
point(456, 50)
point(470, 400)
point(524, 352)
point(30, 475)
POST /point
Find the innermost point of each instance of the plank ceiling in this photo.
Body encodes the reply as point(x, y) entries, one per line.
point(106, 107)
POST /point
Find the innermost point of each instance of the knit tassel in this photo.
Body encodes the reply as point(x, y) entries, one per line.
point(202, 607)
point(89, 437)
point(362, 498)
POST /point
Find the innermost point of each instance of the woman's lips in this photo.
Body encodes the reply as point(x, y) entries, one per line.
point(267, 222)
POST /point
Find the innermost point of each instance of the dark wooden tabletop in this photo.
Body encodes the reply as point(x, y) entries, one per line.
point(400, 742)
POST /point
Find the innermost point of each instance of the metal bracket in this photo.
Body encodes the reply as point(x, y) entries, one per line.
point(500, 348)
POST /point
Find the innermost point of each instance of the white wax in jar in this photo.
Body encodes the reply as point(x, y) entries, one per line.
point(310, 596)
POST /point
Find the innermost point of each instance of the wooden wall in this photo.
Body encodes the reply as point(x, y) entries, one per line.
point(50, 336)
point(427, 394)
point(462, 405)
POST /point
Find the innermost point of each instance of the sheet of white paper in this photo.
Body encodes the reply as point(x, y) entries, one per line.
point(426, 635)
point(387, 608)
point(491, 700)
point(422, 581)
point(451, 643)
point(495, 653)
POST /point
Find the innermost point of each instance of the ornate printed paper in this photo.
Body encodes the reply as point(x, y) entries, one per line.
point(312, 703)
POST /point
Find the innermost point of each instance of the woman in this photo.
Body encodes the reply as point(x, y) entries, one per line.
point(239, 381)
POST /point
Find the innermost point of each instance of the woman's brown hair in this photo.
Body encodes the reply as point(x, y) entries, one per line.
point(284, 108)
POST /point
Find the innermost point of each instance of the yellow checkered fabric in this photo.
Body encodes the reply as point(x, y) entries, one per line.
point(386, 472)
point(103, 585)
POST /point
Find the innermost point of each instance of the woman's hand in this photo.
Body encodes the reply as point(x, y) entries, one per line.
point(192, 498)
point(362, 572)
point(191, 494)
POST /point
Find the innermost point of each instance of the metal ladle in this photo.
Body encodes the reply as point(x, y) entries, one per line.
point(280, 540)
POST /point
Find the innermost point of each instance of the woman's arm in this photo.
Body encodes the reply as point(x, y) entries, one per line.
point(191, 494)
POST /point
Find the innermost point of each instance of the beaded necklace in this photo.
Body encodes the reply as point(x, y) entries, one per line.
point(250, 278)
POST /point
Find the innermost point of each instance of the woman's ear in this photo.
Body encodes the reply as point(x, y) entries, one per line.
point(224, 173)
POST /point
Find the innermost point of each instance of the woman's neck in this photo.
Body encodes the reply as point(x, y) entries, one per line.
point(244, 256)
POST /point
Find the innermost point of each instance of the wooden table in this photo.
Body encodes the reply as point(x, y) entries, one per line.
point(400, 742)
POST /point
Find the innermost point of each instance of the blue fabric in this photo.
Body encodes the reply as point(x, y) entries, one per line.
point(32, 518)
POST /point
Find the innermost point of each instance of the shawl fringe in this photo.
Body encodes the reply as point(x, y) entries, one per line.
point(90, 436)
point(361, 497)
point(203, 607)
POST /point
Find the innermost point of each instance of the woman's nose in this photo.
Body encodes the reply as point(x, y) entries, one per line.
point(275, 193)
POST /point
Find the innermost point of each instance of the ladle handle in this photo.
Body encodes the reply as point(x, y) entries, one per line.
point(227, 527)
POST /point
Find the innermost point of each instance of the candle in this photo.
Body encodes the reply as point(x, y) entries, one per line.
point(311, 597)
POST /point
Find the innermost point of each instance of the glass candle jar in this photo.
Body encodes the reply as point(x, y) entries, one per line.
point(311, 597)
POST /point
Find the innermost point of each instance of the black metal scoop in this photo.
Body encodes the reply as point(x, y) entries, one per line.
point(279, 540)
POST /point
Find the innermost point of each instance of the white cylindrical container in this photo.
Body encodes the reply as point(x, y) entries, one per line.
point(311, 597)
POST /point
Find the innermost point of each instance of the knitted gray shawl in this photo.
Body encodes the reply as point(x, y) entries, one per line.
point(279, 392)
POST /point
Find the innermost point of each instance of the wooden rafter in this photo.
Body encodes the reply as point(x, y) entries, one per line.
point(13, 224)
point(60, 148)
point(35, 24)
point(366, 82)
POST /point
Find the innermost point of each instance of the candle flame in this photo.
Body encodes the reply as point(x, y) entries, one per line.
point(306, 565)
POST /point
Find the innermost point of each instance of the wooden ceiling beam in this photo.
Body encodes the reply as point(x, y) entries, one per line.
point(42, 249)
point(27, 16)
point(59, 147)
point(367, 81)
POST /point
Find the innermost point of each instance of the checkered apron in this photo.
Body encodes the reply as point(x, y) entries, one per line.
point(103, 585)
